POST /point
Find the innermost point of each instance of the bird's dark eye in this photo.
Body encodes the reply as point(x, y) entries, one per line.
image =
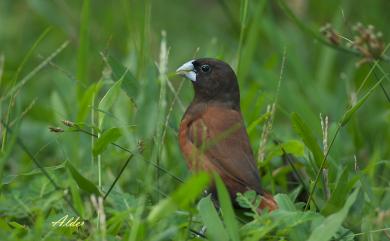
point(205, 68)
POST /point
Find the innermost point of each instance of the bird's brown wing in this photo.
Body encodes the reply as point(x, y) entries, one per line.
point(219, 134)
point(216, 140)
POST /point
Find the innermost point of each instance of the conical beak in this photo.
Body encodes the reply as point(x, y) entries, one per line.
point(187, 70)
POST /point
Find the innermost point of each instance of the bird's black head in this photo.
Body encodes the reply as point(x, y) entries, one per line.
point(213, 81)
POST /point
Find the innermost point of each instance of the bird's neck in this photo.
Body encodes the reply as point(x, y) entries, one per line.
point(231, 101)
point(225, 103)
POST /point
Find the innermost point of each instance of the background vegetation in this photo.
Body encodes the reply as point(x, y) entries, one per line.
point(108, 68)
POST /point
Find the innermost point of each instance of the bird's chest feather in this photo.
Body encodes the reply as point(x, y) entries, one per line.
point(205, 129)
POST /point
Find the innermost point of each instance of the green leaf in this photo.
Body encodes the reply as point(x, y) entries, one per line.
point(347, 115)
point(58, 105)
point(339, 195)
point(249, 199)
point(108, 100)
point(295, 147)
point(228, 214)
point(81, 181)
point(181, 198)
point(4, 225)
point(105, 139)
point(328, 228)
point(307, 136)
point(22, 228)
point(76, 199)
point(130, 84)
point(215, 228)
point(86, 101)
point(292, 218)
point(284, 202)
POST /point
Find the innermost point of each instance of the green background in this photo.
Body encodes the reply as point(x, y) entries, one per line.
point(62, 60)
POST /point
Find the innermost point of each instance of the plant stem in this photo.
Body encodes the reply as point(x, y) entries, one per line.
point(322, 166)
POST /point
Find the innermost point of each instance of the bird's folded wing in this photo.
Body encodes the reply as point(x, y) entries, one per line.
point(220, 134)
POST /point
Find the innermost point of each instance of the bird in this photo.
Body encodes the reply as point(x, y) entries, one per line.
point(212, 134)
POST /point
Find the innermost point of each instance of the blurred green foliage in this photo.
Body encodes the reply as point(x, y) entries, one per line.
point(109, 68)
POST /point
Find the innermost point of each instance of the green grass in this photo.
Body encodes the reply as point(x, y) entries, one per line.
point(108, 68)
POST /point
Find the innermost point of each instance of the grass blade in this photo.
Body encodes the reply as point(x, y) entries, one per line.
point(248, 50)
point(43, 64)
point(228, 214)
point(331, 224)
point(82, 57)
point(308, 138)
point(214, 225)
point(339, 195)
point(347, 115)
point(108, 100)
point(86, 101)
point(181, 198)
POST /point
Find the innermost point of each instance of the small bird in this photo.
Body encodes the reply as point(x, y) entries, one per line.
point(212, 133)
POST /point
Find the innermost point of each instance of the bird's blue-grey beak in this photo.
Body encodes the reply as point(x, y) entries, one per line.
point(187, 70)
